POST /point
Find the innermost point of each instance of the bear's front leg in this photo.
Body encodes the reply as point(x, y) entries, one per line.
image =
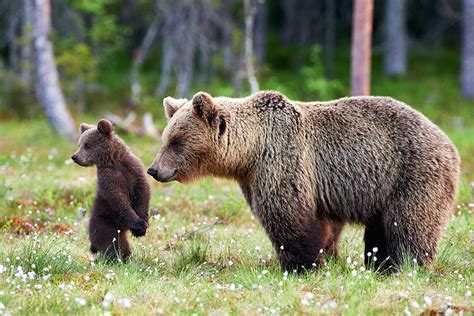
point(299, 248)
point(125, 216)
point(141, 203)
point(296, 234)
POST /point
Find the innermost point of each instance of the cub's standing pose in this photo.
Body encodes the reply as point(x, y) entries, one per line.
point(123, 192)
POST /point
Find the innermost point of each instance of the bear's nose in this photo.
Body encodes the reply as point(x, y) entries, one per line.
point(74, 157)
point(152, 172)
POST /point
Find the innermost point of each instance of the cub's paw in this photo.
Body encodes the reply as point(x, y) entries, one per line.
point(94, 249)
point(138, 228)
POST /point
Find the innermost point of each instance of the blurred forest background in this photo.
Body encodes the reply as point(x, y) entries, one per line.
point(122, 57)
point(63, 62)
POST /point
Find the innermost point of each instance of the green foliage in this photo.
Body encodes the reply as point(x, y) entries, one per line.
point(13, 91)
point(94, 7)
point(314, 83)
point(75, 60)
point(108, 35)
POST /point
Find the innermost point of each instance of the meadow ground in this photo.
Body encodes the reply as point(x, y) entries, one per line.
point(204, 252)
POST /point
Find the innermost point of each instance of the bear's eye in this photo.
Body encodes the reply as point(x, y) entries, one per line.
point(176, 142)
point(87, 146)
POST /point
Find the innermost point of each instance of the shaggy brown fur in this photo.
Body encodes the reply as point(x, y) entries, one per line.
point(306, 169)
point(123, 192)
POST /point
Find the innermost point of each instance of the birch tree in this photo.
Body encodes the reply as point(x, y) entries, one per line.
point(467, 63)
point(47, 86)
point(250, 12)
point(395, 39)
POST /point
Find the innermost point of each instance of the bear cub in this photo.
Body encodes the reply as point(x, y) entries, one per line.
point(123, 192)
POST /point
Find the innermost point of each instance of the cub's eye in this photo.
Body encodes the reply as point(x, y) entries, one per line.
point(87, 146)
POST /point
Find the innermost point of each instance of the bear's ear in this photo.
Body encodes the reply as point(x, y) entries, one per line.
point(84, 127)
point(172, 105)
point(105, 126)
point(204, 107)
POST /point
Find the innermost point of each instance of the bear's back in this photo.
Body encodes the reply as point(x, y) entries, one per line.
point(366, 148)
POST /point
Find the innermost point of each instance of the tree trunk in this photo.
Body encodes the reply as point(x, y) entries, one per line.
point(395, 55)
point(260, 34)
point(186, 47)
point(26, 43)
point(47, 84)
point(12, 41)
point(139, 58)
point(330, 38)
point(467, 66)
point(250, 11)
point(361, 46)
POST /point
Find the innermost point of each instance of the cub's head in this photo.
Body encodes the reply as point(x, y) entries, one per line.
point(95, 144)
point(193, 141)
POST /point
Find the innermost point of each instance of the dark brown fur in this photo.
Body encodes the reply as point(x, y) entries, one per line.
point(306, 169)
point(123, 192)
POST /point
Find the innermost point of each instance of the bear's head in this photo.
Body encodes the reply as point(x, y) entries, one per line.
point(95, 144)
point(193, 141)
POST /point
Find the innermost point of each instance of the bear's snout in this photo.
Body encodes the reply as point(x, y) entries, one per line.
point(152, 172)
point(74, 158)
point(161, 175)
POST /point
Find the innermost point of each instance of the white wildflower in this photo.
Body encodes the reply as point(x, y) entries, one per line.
point(427, 300)
point(80, 301)
point(108, 298)
point(125, 302)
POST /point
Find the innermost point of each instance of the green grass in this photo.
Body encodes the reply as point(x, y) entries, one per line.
point(204, 252)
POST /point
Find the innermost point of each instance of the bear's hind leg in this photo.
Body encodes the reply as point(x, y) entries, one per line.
point(376, 252)
point(333, 232)
point(106, 239)
point(413, 229)
point(406, 243)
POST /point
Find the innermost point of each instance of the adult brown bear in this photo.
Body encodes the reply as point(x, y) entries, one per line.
point(306, 169)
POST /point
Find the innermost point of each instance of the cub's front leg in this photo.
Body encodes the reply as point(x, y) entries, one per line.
point(141, 203)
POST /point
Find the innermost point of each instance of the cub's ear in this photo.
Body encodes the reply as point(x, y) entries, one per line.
point(105, 126)
point(84, 127)
point(204, 107)
point(172, 105)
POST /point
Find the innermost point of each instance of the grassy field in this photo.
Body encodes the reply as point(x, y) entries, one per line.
point(204, 252)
